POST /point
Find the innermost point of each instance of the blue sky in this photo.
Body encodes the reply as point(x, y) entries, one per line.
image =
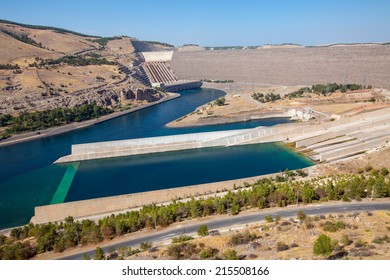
point(213, 22)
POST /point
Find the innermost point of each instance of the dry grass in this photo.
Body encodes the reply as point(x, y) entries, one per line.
point(362, 229)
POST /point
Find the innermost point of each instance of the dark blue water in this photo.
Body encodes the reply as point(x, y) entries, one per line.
point(28, 178)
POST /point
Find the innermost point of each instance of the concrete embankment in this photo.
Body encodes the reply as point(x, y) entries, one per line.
point(226, 119)
point(107, 205)
point(174, 143)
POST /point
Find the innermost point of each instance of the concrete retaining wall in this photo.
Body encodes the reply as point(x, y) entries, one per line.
point(178, 142)
point(353, 149)
point(92, 207)
point(145, 145)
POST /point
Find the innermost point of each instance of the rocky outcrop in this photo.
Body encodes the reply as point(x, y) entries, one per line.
point(106, 97)
point(114, 97)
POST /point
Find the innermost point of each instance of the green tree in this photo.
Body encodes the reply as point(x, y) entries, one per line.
point(323, 245)
point(99, 254)
point(203, 230)
point(235, 208)
point(308, 193)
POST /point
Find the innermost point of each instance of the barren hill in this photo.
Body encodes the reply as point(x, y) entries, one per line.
point(46, 67)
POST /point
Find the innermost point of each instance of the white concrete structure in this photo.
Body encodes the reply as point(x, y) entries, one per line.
point(157, 56)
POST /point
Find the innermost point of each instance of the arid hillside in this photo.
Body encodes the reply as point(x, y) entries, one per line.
point(45, 68)
point(361, 64)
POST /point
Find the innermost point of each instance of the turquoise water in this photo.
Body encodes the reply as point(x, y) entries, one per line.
point(175, 169)
point(28, 177)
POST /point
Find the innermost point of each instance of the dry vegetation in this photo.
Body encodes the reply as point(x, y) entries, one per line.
point(240, 105)
point(354, 236)
point(36, 86)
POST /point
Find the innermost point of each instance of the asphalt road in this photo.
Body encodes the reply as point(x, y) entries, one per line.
point(220, 222)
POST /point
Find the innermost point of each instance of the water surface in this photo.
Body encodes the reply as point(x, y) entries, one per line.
point(28, 177)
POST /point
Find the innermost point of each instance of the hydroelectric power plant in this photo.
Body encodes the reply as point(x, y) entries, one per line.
point(155, 72)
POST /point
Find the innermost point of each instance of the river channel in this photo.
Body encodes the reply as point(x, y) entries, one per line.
point(28, 177)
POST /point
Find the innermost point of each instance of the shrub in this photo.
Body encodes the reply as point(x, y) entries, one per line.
point(269, 218)
point(203, 230)
point(381, 240)
point(182, 250)
point(333, 227)
point(145, 246)
point(360, 243)
point(301, 215)
point(323, 245)
point(99, 254)
point(241, 238)
point(182, 238)
point(384, 171)
point(345, 240)
point(220, 101)
point(230, 255)
point(208, 253)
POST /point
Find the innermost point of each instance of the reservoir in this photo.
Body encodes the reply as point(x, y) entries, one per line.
point(28, 177)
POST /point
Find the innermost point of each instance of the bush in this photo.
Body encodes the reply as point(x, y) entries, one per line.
point(208, 253)
point(203, 230)
point(182, 238)
point(241, 238)
point(220, 101)
point(301, 215)
point(381, 240)
point(145, 246)
point(333, 227)
point(323, 245)
point(269, 218)
point(99, 254)
point(384, 171)
point(182, 250)
point(230, 255)
point(345, 240)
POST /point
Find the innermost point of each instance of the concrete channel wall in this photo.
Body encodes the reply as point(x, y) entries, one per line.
point(173, 143)
point(106, 205)
point(144, 145)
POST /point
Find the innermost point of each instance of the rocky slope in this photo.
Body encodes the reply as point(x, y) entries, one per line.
point(53, 68)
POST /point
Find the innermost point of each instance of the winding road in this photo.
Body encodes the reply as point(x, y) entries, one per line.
point(227, 221)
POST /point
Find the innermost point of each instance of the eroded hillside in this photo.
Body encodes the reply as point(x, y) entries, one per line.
point(45, 68)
